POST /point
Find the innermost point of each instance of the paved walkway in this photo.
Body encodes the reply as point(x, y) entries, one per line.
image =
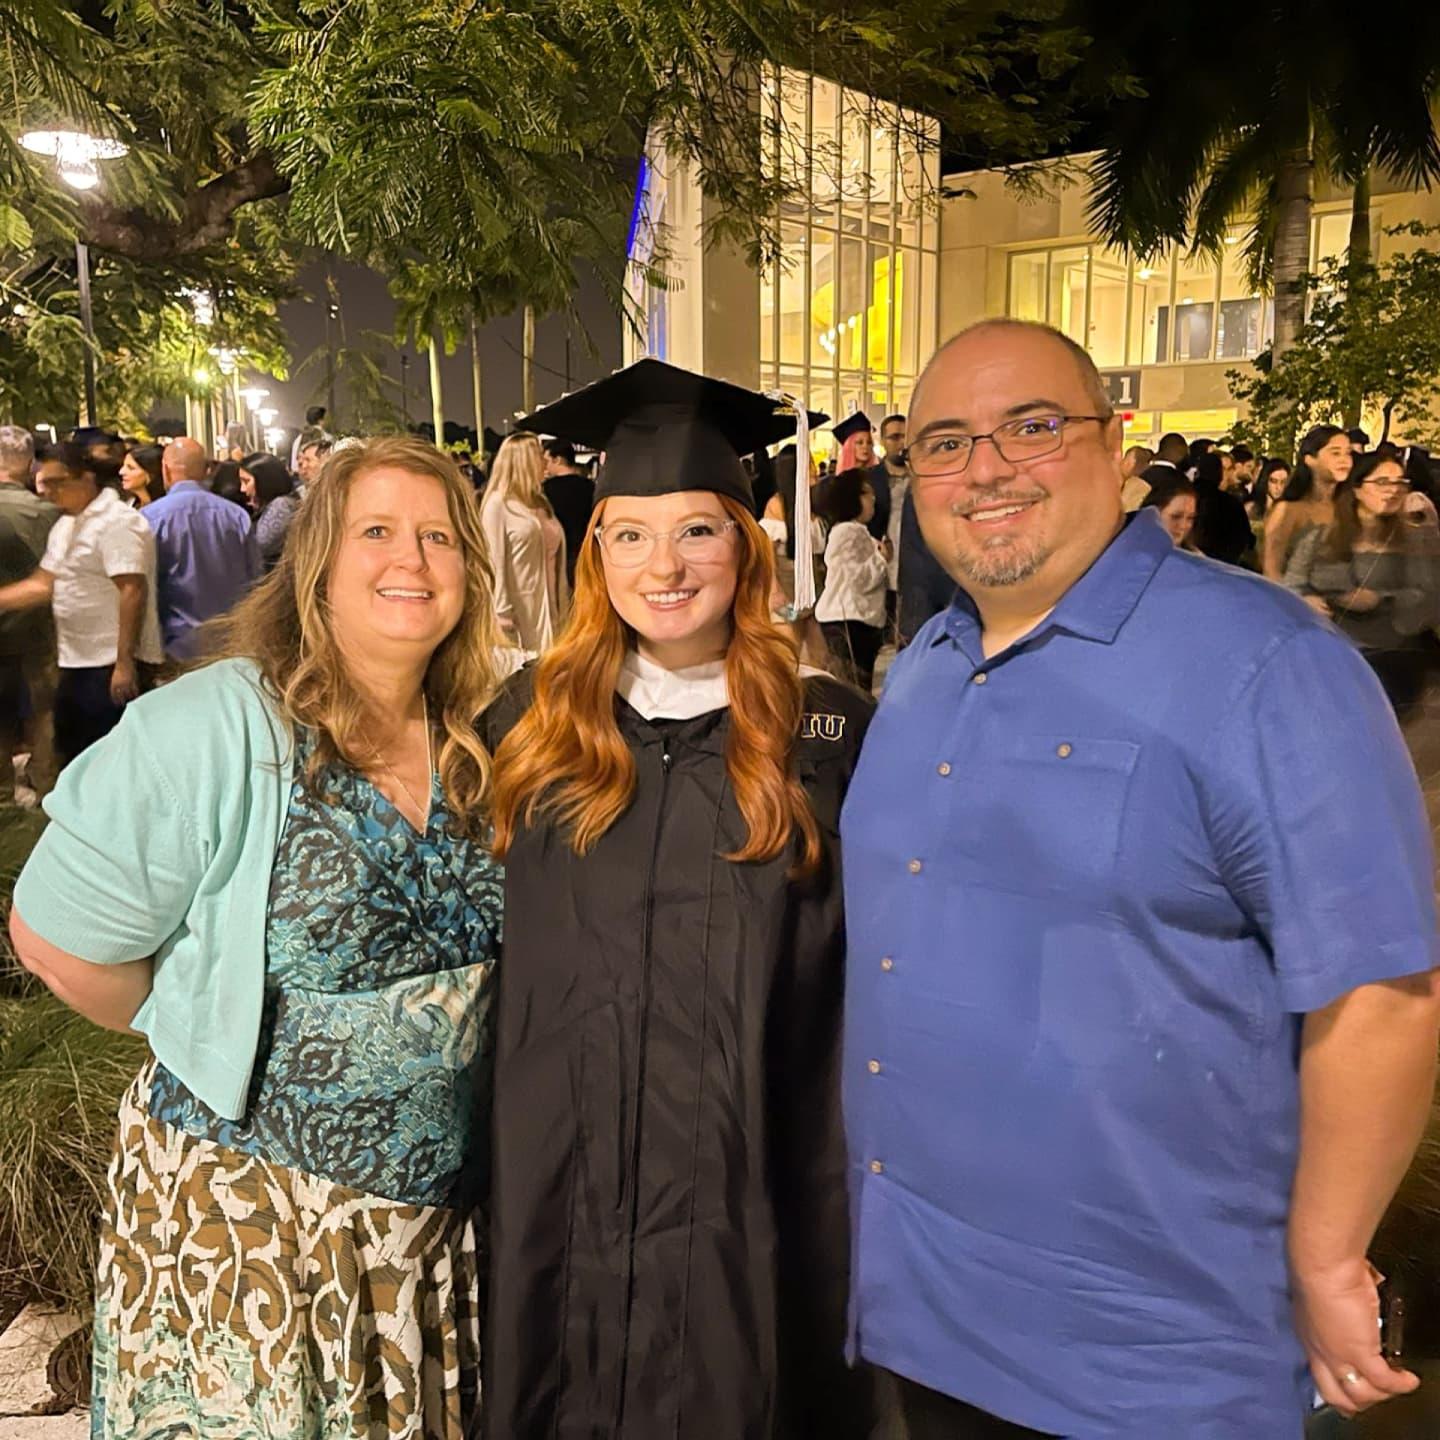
point(74, 1426)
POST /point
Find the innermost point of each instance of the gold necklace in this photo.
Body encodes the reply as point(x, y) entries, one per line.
point(422, 810)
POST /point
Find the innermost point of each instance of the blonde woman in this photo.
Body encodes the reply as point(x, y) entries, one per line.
point(527, 547)
point(273, 870)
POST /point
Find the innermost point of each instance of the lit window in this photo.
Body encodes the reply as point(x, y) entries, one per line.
point(1068, 272)
point(1109, 288)
point(1194, 324)
point(1027, 287)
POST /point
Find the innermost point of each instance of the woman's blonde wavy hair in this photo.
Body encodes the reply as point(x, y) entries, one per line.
point(284, 627)
point(566, 759)
point(519, 473)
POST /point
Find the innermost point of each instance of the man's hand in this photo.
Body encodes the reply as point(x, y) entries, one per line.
point(124, 683)
point(1337, 1316)
point(1318, 602)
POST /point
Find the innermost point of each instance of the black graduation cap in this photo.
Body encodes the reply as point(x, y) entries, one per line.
point(851, 425)
point(665, 430)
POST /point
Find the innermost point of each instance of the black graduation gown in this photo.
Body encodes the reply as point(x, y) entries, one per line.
point(670, 1248)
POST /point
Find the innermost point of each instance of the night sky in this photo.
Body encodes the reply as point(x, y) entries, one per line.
point(366, 306)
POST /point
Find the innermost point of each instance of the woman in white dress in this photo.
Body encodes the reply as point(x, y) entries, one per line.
point(527, 547)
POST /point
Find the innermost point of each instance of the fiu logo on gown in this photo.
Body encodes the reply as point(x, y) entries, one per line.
point(822, 727)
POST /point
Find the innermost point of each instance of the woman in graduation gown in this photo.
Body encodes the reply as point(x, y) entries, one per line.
point(669, 1227)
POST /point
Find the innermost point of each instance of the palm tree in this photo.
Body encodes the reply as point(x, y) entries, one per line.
point(1205, 140)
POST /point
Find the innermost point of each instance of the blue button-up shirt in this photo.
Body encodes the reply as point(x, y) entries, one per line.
point(1092, 885)
point(206, 559)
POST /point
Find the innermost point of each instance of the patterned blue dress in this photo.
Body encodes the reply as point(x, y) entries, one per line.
point(314, 1270)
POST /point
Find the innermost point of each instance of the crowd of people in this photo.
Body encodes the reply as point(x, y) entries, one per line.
point(1012, 1059)
point(115, 554)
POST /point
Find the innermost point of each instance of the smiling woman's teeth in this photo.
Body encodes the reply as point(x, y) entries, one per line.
point(670, 597)
point(393, 593)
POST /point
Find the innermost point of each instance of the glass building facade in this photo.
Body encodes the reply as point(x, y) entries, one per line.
point(1175, 310)
point(848, 313)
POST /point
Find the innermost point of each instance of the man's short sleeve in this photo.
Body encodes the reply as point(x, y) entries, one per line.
point(55, 546)
point(1319, 825)
point(123, 548)
point(117, 868)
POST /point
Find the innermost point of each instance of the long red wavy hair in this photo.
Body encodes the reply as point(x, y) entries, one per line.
point(567, 760)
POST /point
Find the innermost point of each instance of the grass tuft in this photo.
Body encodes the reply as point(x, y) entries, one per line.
point(61, 1079)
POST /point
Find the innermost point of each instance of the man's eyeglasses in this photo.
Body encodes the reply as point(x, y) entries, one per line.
point(700, 542)
point(949, 452)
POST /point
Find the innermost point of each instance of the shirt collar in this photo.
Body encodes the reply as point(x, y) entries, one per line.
point(655, 692)
point(1101, 600)
point(105, 499)
point(184, 485)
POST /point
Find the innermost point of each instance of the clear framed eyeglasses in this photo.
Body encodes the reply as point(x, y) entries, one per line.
point(949, 452)
point(699, 542)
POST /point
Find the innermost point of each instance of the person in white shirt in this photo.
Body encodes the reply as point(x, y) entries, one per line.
point(98, 574)
point(851, 609)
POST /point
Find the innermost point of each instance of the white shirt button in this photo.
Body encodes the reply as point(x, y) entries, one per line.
point(876, 1168)
point(981, 678)
point(887, 963)
point(915, 867)
point(1065, 751)
point(943, 768)
point(873, 1067)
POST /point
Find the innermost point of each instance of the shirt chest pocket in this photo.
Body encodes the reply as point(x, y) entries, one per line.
point(1046, 813)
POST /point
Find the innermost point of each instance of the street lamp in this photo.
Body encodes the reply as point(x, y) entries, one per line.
point(75, 155)
point(252, 395)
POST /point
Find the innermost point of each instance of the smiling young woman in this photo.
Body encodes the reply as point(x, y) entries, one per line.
point(670, 1234)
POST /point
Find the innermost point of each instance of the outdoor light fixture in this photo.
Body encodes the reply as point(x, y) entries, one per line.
point(202, 375)
point(75, 156)
point(225, 358)
point(75, 153)
point(1146, 274)
point(267, 416)
point(274, 438)
point(202, 305)
point(252, 395)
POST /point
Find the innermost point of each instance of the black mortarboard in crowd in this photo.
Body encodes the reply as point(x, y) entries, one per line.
point(842, 430)
point(88, 435)
point(664, 430)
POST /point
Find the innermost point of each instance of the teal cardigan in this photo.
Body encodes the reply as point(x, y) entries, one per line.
point(161, 842)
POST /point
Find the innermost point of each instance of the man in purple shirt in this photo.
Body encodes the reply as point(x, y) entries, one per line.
point(206, 556)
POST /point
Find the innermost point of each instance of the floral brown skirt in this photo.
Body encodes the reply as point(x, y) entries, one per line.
point(241, 1300)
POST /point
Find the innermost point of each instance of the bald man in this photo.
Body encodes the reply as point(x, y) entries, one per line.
point(1132, 1065)
point(205, 547)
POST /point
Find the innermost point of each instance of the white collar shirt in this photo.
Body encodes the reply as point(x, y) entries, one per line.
point(85, 553)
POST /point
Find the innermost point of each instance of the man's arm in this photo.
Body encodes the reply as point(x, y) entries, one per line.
point(36, 589)
point(1353, 949)
point(124, 683)
point(1367, 1073)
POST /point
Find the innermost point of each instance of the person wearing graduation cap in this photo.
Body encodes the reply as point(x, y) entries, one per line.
point(856, 434)
point(670, 1237)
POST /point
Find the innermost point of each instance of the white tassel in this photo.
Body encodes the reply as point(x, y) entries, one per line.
point(804, 602)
